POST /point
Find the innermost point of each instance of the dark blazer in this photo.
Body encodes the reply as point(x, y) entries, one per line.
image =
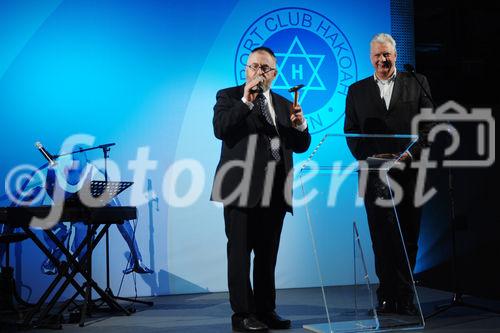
point(236, 125)
point(366, 113)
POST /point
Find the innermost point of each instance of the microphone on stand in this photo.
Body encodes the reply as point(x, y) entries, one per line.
point(410, 69)
point(45, 154)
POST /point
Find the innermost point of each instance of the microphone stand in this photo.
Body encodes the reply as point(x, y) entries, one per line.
point(457, 298)
point(105, 150)
point(80, 150)
point(108, 290)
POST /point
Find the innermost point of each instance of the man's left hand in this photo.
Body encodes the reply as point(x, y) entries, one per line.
point(297, 116)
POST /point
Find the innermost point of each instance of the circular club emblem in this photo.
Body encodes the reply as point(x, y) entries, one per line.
point(310, 50)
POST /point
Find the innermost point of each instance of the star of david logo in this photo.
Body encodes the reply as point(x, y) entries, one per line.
point(314, 61)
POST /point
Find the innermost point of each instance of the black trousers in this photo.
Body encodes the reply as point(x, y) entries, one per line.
point(256, 229)
point(391, 265)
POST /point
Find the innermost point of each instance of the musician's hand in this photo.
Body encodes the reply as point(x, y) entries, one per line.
point(297, 116)
point(249, 94)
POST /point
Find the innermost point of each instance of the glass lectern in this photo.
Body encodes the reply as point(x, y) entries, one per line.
point(333, 187)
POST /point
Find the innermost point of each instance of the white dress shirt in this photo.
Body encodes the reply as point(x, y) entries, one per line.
point(386, 87)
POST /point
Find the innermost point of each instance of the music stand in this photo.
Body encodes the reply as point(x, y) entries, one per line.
point(101, 193)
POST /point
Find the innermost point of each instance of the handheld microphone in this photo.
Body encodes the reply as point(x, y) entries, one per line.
point(45, 153)
point(258, 88)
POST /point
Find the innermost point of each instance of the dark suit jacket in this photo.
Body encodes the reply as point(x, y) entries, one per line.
point(366, 113)
point(235, 124)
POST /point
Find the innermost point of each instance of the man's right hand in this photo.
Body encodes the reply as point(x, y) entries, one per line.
point(388, 156)
point(249, 93)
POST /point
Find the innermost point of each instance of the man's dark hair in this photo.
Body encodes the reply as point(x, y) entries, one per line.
point(264, 49)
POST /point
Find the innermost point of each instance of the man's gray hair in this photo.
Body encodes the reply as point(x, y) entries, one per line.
point(384, 38)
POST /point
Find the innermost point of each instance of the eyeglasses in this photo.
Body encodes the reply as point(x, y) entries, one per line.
point(264, 68)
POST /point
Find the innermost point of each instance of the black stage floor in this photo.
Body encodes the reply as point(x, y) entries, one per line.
point(210, 313)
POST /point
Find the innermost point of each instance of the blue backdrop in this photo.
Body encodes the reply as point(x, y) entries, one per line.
point(145, 74)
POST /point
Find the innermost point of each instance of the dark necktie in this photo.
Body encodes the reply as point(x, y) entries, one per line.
point(263, 107)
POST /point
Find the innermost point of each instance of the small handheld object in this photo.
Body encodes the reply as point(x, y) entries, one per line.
point(258, 88)
point(295, 90)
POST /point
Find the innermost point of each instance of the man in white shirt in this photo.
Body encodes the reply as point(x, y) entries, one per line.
point(385, 103)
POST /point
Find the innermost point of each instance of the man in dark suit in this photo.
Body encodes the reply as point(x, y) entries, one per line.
point(259, 131)
point(385, 103)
